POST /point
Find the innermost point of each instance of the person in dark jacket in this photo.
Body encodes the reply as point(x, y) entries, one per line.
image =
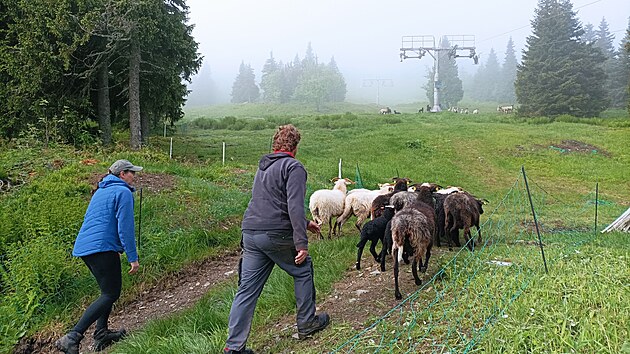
point(274, 232)
point(107, 231)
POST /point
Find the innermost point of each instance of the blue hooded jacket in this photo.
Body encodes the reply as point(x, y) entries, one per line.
point(108, 224)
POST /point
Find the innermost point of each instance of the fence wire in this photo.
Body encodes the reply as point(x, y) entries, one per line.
point(451, 312)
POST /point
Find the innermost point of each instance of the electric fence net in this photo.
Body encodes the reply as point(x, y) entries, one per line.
point(451, 311)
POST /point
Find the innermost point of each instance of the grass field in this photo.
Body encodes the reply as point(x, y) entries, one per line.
point(580, 306)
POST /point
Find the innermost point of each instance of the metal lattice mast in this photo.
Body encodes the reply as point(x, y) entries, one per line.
point(417, 46)
point(378, 83)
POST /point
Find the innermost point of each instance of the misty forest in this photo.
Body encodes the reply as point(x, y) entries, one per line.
point(89, 82)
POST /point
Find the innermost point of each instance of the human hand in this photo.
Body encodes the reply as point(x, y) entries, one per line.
point(301, 256)
point(134, 267)
point(313, 227)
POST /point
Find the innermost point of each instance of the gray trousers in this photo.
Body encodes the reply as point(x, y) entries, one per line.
point(261, 250)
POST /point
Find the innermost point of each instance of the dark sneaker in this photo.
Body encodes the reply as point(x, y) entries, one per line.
point(232, 351)
point(103, 338)
point(319, 322)
point(69, 343)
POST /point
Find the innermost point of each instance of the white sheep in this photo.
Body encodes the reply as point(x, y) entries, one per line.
point(358, 203)
point(326, 204)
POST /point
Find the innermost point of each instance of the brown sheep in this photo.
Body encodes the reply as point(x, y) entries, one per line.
point(462, 211)
point(411, 226)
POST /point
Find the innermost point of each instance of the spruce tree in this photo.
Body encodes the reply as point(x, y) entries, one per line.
point(337, 85)
point(244, 88)
point(560, 74)
point(487, 80)
point(604, 41)
point(450, 85)
point(619, 75)
point(508, 75)
point(271, 81)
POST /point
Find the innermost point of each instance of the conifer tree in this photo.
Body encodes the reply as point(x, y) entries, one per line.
point(508, 75)
point(244, 88)
point(486, 82)
point(559, 74)
point(604, 41)
point(271, 81)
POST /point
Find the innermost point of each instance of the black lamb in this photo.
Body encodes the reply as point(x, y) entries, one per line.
point(374, 231)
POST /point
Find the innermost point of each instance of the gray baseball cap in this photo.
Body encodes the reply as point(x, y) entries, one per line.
point(123, 165)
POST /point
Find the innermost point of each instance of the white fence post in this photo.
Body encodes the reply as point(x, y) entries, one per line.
point(339, 169)
point(223, 163)
point(170, 151)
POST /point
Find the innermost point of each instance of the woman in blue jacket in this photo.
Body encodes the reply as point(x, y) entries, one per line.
point(107, 232)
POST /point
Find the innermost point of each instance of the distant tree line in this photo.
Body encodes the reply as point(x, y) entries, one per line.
point(302, 81)
point(73, 68)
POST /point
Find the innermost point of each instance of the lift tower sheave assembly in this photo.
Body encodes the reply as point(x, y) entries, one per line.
point(415, 47)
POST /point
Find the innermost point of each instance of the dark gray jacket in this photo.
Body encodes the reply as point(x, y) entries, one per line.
point(278, 198)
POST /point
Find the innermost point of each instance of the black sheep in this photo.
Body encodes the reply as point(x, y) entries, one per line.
point(374, 231)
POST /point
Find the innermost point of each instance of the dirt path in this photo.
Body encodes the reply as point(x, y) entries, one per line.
point(171, 294)
point(358, 297)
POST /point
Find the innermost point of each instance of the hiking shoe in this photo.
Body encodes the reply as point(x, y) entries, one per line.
point(69, 343)
point(232, 351)
point(317, 324)
point(103, 338)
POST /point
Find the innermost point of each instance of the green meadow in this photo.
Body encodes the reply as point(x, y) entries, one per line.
point(572, 164)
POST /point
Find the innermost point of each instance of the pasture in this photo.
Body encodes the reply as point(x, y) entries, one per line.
point(467, 303)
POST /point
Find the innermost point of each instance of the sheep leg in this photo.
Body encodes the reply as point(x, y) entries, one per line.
point(383, 254)
point(414, 270)
point(427, 255)
point(454, 235)
point(406, 251)
point(373, 250)
point(470, 242)
point(478, 234)
point(330, 229)
point(337, 228)
point(397, 293)
point(359, 222)
point(437, 239)
point(360, 246)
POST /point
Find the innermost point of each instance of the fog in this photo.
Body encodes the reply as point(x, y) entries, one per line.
point(364, 37)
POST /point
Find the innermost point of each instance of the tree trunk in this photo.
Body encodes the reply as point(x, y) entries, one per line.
point(145, 126)
point(104, 114)
point(134, 96)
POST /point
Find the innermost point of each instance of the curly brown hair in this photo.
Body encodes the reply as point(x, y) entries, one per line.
point(287, 138)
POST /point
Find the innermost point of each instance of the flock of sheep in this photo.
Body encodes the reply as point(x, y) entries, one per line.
point(406, 218)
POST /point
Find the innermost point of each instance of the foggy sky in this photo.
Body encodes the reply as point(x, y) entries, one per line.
point(364, 36)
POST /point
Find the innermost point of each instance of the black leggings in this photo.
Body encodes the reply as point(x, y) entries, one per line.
point(105, 267)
